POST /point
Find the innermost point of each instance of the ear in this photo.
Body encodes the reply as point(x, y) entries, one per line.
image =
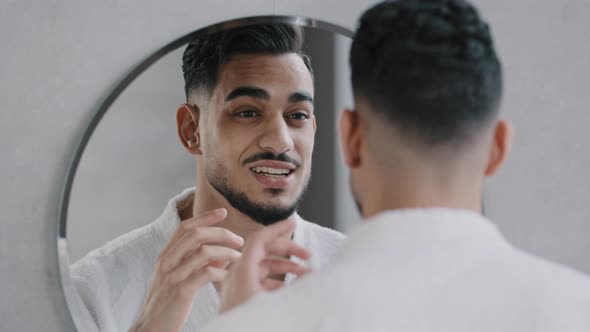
point(350, 138)
point(500, 148)
point(187, 126)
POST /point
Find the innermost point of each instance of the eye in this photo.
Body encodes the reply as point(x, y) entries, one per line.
point(298, 116)
point(247, 114)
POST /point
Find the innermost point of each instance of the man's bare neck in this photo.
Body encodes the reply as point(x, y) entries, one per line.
point(417, 196)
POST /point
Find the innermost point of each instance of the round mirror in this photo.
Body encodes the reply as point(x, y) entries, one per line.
point(269, 109)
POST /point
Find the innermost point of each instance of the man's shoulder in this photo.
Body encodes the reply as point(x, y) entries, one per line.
point(117, 258)
point(277, 315)
point(546, 292)
point(112, 279)
point(303, 306)
point(553, 277)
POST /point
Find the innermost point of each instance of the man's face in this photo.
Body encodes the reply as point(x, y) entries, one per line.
point(258, 134)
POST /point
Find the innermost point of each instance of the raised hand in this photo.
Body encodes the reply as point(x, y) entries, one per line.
point(263, 256)
point(196, 254)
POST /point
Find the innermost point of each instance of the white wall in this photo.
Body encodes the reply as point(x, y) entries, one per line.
point(59, 59)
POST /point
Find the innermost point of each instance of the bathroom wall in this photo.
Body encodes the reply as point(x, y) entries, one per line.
point(59, 59)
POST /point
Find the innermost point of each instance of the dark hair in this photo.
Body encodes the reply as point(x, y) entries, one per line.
point(204, 55)
point(428, 66)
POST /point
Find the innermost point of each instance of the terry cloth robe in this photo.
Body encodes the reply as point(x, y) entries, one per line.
point(112, 281)
point(424, 270)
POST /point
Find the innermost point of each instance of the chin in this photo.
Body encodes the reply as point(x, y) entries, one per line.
point(275, 192)
point(277, 197)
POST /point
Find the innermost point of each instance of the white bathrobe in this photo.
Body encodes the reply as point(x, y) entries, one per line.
point(432, 270)
point(112, 281)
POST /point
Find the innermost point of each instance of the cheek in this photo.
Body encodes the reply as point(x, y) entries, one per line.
point(304, 147)
point(235, 148)
point(216, 151)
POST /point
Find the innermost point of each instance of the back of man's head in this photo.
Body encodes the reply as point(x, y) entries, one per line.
point(427, 85)
point(428, 67)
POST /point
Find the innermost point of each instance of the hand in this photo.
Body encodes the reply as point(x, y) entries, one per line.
point(195, 255)
point(262, 256)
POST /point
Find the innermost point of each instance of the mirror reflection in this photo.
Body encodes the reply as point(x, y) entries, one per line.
point(232, 132)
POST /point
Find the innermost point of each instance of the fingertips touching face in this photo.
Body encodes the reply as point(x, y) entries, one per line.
point(206, 219)
point(212, 217)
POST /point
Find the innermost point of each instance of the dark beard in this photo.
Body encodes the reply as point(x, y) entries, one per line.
point(263, 214)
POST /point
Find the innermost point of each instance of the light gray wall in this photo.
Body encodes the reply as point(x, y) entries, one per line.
point(59, 59)
point(134, 162)
point(540, 199)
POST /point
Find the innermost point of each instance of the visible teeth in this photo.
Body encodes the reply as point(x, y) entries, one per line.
point(271, 170)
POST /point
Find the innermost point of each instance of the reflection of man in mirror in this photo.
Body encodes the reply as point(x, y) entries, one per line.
point(425, 133)
point(249, 121)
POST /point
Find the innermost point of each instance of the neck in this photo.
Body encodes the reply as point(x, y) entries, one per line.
point(419, 191)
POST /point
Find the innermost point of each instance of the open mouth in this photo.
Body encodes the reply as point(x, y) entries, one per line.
point(272, 172)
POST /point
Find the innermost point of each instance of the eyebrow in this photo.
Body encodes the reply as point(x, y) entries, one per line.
point(258, 93)
point(248, 91)
point(300, 96)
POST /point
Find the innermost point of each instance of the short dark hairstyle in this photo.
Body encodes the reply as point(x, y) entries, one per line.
point(206, 53)
point(429, 67)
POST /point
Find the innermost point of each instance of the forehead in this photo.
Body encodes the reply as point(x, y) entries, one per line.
point(277, 74)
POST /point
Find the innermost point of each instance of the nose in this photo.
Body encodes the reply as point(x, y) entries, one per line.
point(276, 136)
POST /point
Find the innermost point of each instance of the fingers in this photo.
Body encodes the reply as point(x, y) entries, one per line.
point(200, 259)
point(280, 266)
point(272, 241)
point(196, 280)
point(193, 239)
point(286, 247)
point(196, 254)
point(219, 264)
point(207, 219)
point(257, 246)
point(271, 284)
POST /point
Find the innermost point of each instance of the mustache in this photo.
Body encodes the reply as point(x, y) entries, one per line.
point(271, 156)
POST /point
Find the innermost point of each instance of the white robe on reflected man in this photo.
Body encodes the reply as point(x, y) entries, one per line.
point(112, 281)
point(424, 271)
